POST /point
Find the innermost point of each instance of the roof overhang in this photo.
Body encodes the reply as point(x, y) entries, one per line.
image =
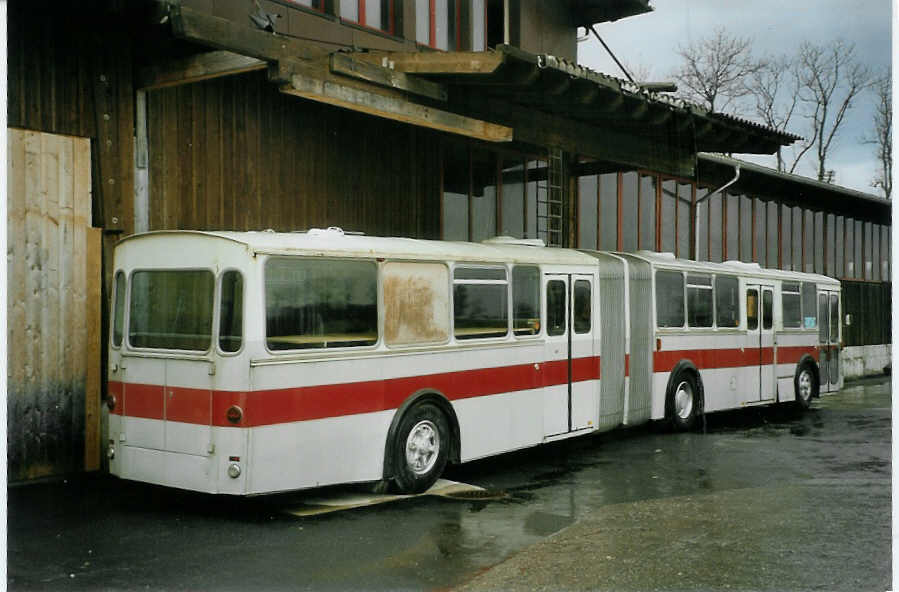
point(588, 12)
point(792, 190)
point(505, 95)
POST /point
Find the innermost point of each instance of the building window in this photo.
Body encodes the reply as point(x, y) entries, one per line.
point(451, 25)
point(375, 14)
point(318, 5)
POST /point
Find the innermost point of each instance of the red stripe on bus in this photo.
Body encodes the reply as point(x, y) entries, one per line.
point(664, 361)
point(266, 407)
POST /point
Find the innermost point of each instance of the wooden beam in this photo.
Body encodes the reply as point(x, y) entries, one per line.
point(93, 373)
point(314, 85)
point(455, 62)
point(383, 76)
point(195, 68)
point(203, 28)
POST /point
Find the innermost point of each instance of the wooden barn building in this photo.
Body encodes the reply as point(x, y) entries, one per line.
point(453, 119)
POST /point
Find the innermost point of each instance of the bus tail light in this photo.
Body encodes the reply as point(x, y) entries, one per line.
point(234, 414)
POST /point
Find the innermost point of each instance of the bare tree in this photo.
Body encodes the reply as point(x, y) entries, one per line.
point(830, 80)
point(715, 70)
point(883, 128)
point(775, 88)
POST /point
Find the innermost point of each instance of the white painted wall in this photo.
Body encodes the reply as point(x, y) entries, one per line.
point(864, 360)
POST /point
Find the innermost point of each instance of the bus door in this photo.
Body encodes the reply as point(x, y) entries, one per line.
point(829, 340)
point(760, 348)
point(188, 405)
point(568, 393)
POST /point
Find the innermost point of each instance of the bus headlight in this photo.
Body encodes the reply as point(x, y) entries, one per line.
point(234, 470)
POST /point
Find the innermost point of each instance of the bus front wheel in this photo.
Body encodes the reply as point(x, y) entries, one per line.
point(684, 401)
point(420, 448)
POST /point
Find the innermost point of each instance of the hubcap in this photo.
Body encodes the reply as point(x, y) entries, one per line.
point(805, 385)
point(422, 447)
point(683, 400)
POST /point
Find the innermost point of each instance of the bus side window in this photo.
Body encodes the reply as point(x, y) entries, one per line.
point(526, 300)
point(581, 306)
point(823, 321)
point(727, 304)
point(790, 305)
point(809, 308)
point(752, 309)
point(669, 299)
point(118, 321)
point(480, 302)
point(767, 309)
point(555, 307)
point(231, 312)
point(416, 303)
point(699, 301)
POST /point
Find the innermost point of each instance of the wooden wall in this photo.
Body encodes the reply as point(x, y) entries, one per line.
point(70, 72)
point(53, 308)
point(235, 153)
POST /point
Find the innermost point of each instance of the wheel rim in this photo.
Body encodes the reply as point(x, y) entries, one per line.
point(805, 385)
point(422, 447)
point(683, 400)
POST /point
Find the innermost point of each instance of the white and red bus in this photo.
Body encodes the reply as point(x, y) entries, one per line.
point(255, 362)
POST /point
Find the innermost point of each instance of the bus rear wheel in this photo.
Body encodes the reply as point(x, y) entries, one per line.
point(684, 401)
point(420, 448)
point(806, 384)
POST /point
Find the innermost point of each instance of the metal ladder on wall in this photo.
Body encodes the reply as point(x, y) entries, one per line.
point(549, 201)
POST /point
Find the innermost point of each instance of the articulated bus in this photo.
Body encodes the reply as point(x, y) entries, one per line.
point(255, 362)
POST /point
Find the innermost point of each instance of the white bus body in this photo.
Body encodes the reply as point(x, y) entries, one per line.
point(255, 362)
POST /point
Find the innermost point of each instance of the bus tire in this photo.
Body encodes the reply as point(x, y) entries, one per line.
point(806, 385)
point(684, 401)
point(420, 448)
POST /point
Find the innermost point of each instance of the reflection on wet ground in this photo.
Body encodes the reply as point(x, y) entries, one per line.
point(140, 536)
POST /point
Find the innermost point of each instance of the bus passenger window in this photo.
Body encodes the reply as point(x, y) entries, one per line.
point(790, 305)
point(231, 312)
point(118, 321)
point(555, 307)
point(315, 303)
point(726, 301)
point(699, 301)
point(526, 300)
point(809, 312)
point(480, 302)
point(752, 309)
point(581, 306)
point(416, 303)
point(171, 309)
point(669, 299)
point(767, 309)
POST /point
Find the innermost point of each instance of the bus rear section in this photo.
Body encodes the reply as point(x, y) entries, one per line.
point(171, 350)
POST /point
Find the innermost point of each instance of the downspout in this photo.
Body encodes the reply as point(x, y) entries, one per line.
point(705, 197)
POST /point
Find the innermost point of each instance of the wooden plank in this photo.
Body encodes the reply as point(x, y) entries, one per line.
point(203, 66)
point(383, 76)
point(92, 380)
point(225, 34)
point(393, 108)
point(438, 62)
point(15, 262)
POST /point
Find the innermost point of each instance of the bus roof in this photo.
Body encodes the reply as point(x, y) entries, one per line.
point(668, 260)
point(333, 241)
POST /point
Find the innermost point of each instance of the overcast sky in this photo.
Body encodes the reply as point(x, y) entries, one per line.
point(775, 27)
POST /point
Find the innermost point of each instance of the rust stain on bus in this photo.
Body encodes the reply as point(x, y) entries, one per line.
point(410, 305)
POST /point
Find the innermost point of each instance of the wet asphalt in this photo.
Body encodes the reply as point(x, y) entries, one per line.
point(764, 499)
